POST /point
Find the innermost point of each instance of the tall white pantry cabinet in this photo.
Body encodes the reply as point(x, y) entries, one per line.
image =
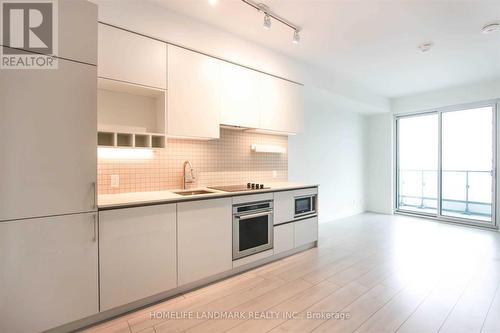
point(48, 226)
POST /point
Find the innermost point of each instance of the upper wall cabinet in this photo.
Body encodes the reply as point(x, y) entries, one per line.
point(129, 57)
point(239, 96)
point(281, 105)
point(193, 94)
point(78, 31)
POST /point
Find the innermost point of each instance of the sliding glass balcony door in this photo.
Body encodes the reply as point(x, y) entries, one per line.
point(418, 163)
point(445, 164)
point(467, 163)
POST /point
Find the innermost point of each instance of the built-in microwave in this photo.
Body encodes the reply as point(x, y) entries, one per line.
point(305, 205)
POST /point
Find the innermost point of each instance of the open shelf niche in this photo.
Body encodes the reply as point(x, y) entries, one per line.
point(130, 115)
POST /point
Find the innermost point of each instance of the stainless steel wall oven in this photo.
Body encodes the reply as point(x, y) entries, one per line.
point(252, 228)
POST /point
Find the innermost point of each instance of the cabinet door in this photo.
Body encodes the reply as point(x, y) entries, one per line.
point(281, 105)
point(193, 94)
point(48, 272)
point(48, 141)
point(137, 253)
point(129, 57)
point(239, 96)
point(205, 239)
point(283, 237)
point(78, 31)
point(306, 231)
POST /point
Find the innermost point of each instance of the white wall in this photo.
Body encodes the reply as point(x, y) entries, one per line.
point(470, 93)
point(379, 163)
point(330, 152)
point(379, 169)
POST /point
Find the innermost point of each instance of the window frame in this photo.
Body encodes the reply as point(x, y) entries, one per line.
point(495, 105)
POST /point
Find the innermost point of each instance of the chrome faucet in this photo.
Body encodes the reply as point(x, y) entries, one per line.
point(191, 170)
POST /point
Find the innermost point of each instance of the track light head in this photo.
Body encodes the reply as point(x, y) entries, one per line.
point(267, 21)
point(296, 37)
point(425, 47)
point(268, 15)
point(490, 28)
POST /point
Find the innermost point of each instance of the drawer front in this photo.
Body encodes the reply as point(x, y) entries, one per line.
point(252, 198)
point(283, 237)
point(306, 231)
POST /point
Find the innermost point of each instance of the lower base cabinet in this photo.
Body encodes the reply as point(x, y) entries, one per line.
point(205, 238)
point(137, 253)
point(48, 272)
point(306, 231)
point(283, 237)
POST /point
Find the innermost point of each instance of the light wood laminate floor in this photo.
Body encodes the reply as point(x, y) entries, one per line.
point(370, 273)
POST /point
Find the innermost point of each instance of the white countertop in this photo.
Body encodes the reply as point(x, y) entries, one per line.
point(108, 201)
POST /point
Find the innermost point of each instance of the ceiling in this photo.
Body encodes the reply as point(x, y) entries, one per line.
point(372, 42)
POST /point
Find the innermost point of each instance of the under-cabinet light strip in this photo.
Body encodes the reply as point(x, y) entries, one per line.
point(268, 149)
point(105, 153)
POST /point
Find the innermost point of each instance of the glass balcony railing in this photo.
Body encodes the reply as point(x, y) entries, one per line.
point(465, 193)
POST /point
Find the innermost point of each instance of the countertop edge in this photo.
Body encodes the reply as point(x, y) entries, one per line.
point(216, 195)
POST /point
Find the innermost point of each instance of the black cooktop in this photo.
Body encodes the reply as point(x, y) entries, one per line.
point(238, 188)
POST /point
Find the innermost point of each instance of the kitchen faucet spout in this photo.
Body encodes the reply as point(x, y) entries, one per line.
point(191, 172)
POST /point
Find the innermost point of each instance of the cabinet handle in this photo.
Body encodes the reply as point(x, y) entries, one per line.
point(94, 202)
point(95, 228)
point(251, 216)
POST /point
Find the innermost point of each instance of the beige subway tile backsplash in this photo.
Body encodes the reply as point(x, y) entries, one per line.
point(227, 160)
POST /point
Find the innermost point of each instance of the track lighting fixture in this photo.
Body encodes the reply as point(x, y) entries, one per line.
point(268, 15)
point(267, 21)
point(296, 37)
point(490, 28)
point(425, 47)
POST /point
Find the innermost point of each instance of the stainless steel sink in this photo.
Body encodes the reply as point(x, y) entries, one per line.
point(196, 192)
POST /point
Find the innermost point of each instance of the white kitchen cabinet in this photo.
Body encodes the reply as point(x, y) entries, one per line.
point(193, 94)
point(130, 115)
point(78, 31)
point(283, 237)
point(284, 203)
point(306, 231)
point(130, 57)
point(137, 253)
point(48, 272)
point(239, 89)
point(281, 105)
point(48, 141)
point(204, 239)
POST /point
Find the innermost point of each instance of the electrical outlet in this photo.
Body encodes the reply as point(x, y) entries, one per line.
point(115, 180)
point(275, 174)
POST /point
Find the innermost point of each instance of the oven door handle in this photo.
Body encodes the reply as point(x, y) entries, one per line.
point(251, 216)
